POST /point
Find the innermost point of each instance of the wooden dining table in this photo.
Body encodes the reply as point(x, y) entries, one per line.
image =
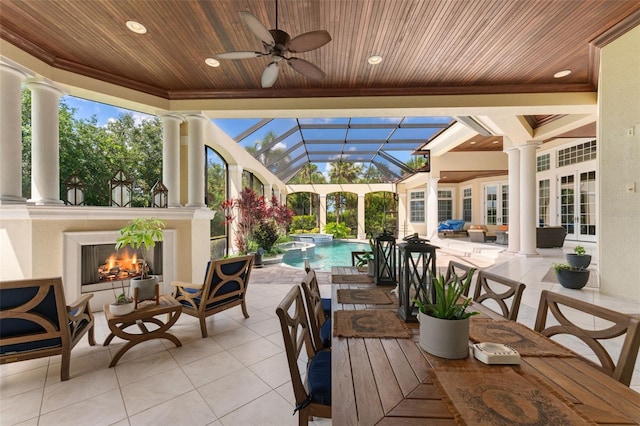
point(390, 381)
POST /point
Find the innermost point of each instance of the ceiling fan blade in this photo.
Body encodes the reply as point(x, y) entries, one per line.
point(270, 75)
point(309, 41)
point(257, 28)
point(306, 68)
point(237, 55)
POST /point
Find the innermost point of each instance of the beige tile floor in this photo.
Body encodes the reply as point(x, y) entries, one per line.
point(237, 376)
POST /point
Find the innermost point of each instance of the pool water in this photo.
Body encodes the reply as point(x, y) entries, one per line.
point(326, 255)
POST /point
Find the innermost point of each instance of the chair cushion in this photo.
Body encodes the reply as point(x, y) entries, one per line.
point(319, 378)
point(325, 333)
point(326, 307)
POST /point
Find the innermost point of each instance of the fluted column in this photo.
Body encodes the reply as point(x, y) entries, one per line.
point(528, 198)
point(361, 233)
point(432, 207)
point(323, 211)
point(11, 134)
point(45, 143)
point(171, 157)
point(514, 199)
point(195, 150)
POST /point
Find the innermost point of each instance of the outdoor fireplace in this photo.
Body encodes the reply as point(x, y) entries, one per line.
point(102, 267)
point(88, 269)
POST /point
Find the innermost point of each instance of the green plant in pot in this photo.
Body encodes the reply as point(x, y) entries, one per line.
point(569, 277)
point(444, 322)
point(142, 234)
point(579, 259)
point(123, 303)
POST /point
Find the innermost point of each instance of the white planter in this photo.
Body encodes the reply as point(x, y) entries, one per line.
point(121, 309)
point(371, 268)
point(146, 288)
point(444, 338)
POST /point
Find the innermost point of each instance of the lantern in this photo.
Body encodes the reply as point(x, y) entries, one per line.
point(159, 195)
point(417, 269)
point(385, 259)
point(75, 190)
point(120, 190)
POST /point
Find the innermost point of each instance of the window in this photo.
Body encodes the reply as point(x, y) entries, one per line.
point(544, 198)
point(215, 193)
point(445, 205)
point(577, 154)
point(416, 206)
point(466, 204)
point(543, 162)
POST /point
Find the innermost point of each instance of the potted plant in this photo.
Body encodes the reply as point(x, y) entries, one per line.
point(569, 277)
point(365, 263)
point(142, 234)
point(444, 322)
point(579, 259)
point(123, 304)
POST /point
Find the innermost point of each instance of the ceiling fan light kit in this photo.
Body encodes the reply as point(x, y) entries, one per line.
point(277, 44)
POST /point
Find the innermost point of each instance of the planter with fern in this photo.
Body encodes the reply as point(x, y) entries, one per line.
point(444, 322)
point(578, 259)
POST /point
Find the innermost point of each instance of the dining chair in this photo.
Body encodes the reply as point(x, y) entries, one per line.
point(499, 289)
point(460, 270)
point(326, 301)
point(321, 326)
point(618, 324)
point(312, 397)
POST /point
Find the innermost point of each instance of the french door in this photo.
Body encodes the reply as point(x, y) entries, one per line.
point(577, 205)
point(496, 204)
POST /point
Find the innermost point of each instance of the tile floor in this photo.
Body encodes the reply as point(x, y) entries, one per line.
point(237, 376)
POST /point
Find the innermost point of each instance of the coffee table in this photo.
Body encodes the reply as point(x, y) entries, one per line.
point(145, 313)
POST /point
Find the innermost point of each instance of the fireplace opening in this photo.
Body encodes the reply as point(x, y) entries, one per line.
point(103, 267)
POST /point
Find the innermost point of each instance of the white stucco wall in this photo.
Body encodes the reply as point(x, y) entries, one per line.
point(619, 161)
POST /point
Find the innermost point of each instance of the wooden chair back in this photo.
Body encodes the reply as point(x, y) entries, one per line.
point(35, 321)
point(499, 289)
point(620, 324)
point(296, 333)
point(317, 316)
point(461, 271)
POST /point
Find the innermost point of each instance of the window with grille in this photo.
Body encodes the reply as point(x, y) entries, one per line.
point(543, 162)
point(445, 205)
point(577, 154)
point(544, 198)
point(416, 206)
point(466, 204)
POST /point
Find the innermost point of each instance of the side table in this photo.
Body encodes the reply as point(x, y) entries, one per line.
point(145, 313)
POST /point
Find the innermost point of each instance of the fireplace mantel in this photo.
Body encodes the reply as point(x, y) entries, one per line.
point(31, 237)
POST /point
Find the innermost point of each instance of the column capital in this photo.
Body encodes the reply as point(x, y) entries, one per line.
point(195, 117)
point(47, 85)
point(15, 69)
point(530, 144)
point(171, 117)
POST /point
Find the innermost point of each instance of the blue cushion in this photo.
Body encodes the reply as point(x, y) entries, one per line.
point(319, 378)
point(456, 225)
point(325, 333)
point(326, 307)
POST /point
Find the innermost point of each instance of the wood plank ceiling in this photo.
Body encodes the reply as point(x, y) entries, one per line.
point(437, 46)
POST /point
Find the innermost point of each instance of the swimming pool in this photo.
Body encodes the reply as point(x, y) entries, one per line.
point(326, 255)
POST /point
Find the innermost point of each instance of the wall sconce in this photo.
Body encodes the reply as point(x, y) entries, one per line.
point(75, 190)
point(159, 195)
point(120, 190)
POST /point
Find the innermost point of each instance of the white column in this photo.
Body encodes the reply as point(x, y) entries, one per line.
point(45, 143)
point(171, 157)
point(234, 172)
point(528, 198)
point(432, 207)
point(402, 215)
point(323, 211)
point(196, 160)
point(11, 135)
point(514, 199)
point(361, 234)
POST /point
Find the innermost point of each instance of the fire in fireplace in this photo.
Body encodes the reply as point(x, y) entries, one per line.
point(100, 263)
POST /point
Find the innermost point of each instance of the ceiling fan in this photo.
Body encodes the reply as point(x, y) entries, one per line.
point(277, 45)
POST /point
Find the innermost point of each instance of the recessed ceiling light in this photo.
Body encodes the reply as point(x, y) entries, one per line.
point(562, 73)
point(375, 59)
point(136, 27)
point(495, 142)
point(212, 62)
point(472, 143)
